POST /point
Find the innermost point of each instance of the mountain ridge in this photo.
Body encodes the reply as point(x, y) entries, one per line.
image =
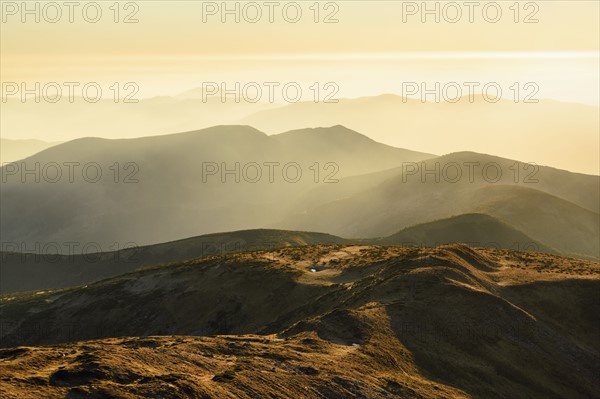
point(32, 272)
point(345, 320)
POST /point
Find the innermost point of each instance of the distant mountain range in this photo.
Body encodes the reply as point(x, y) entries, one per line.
point(165, 188)
point(556, 208)
point(504, 128)
point(161, 193)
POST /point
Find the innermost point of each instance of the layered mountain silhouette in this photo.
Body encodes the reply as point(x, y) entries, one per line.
point(160, 192)
point(511, 129)
point(96, 282)
point(536, 205)
point(315, 321)
point(226, 178)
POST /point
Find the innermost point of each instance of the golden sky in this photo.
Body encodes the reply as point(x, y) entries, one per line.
point(176, 29)
point(174, 45)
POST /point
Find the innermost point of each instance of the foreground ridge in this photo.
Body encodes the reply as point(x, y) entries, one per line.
point(333, 321)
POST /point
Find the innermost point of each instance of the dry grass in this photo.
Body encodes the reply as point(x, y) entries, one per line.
point(369, 322)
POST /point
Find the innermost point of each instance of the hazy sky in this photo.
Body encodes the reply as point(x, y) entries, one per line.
point(176, 45)
point(176, 28)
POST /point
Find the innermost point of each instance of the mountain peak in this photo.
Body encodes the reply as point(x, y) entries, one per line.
point(333, 132)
